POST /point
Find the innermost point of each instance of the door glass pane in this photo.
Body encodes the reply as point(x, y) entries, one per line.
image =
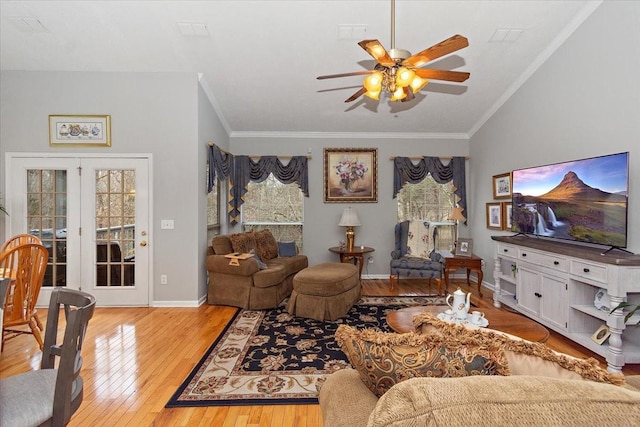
point(46, 218)
point(115, 227)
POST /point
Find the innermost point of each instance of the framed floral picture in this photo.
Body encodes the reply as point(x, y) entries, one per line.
point(350, 175)
point(502, 186)
point(494, 216)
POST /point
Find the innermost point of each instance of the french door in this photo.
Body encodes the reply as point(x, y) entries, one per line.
point(92, 215)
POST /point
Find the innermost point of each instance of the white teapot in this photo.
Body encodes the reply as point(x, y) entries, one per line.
point(460, 305)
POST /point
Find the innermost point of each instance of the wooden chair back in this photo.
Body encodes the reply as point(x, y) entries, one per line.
point(19, 239)
point(78, 308)
point(4, 285)
point(25, 265)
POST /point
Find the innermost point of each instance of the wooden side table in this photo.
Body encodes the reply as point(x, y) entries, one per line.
point(470, 263)
point(356, 254)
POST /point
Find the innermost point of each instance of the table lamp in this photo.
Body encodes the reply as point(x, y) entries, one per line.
point(456, 216)
point(349, 219)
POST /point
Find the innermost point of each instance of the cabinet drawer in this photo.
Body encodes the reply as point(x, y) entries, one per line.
point(589, 271)
point(507, 251)
point(460, 262)
point(544, 260)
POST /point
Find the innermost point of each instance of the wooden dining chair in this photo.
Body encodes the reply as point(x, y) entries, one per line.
point(25, 265)
point(19, 239)
point(50, 396)
point(4, 285)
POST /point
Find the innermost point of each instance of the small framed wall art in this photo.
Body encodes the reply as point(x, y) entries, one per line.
point(494, 216)
point(74, 130)
point(502, 186)
point(350, 175)
point(464, 247)
point(507, 213)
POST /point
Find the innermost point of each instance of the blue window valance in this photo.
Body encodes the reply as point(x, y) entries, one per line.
point(243, 169)
point(405, 171)
point(220, 163)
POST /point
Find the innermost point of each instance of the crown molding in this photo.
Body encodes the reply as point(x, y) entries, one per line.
point(214, 103)
point(348, 135)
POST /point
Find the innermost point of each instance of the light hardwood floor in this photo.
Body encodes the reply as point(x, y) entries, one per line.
point(135, 358)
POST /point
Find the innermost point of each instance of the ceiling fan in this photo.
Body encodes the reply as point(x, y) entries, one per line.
point(398, 72)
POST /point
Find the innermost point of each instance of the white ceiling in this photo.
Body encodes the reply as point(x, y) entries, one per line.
point(260, 61)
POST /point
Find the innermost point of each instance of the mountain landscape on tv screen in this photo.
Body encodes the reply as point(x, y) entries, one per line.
point(573, 210)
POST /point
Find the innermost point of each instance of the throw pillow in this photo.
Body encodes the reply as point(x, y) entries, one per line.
point(419, 242)
point(261, 265)
point(385, 359)
point(266, 245)
point(286, 249)
point(243, 242)
point(524, 357)
point(221, 245)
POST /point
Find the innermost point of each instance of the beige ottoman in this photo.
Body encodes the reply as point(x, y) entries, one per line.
point(324, 291)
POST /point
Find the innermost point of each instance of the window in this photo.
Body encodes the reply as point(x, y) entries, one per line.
point(213, 211)
point(47, 219)
point(276, 206)
point(432, 202)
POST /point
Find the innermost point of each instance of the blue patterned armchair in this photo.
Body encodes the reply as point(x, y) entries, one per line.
point(405, 264)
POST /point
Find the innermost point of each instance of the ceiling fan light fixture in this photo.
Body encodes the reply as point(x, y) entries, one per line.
point(397, 75)
point(373, 82)
point(404, 76)
point(418, 83)
point(398, 94)
point(373, 94)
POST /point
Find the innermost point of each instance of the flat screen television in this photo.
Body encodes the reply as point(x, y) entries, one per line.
point(582, 200)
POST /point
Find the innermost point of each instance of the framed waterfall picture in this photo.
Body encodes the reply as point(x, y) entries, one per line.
point(350, 175)
point(74, 130)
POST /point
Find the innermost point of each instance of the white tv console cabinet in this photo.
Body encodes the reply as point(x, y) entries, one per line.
point(555, 283)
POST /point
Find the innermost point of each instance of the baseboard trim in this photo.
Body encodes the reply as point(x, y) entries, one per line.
point(176, 304)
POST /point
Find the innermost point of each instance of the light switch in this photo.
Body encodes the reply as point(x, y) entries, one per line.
point(166, 224)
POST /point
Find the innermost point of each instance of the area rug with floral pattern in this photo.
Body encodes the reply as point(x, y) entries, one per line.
point(272, 357)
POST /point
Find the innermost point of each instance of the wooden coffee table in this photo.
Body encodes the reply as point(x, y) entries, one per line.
point(401, 321)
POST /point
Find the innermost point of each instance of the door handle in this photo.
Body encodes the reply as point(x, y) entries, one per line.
point(143, 243)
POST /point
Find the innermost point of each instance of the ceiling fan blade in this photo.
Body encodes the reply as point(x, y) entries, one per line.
point(356, 95)
point(379, 53)
point(452, 76)
point(409, 93)
point(436, 51)
point(355, 73)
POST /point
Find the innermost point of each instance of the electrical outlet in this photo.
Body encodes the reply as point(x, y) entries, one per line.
point(370, 260)
point(163, 279)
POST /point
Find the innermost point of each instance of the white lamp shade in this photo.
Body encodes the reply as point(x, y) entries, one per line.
point(349, 218)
